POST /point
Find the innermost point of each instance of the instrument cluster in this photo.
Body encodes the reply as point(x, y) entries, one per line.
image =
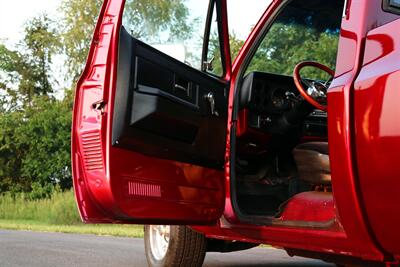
point(268, 96)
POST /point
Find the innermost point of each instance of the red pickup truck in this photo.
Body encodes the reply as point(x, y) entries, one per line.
point(291, 153)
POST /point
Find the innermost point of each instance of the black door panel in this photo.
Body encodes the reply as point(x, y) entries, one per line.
point(162, 108)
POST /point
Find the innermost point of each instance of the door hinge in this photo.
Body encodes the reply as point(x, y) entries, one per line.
point(208, 65)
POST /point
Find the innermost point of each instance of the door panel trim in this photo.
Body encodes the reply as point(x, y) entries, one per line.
point(153, 115)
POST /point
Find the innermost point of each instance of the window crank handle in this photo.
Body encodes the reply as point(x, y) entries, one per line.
point(211, 100)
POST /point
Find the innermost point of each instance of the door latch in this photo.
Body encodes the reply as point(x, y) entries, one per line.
point(99, 106)
point(211, 100)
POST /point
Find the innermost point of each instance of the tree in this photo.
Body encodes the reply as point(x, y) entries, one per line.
point(25, 73)
point(41, 43)
point(147, 19)
point(287, 45)
point(235, 45)
point(35, 145)
point(45, 139)
point(10, 74)
point(76, 31)
point(214, 50)
point(34, 140)
point(11, 154)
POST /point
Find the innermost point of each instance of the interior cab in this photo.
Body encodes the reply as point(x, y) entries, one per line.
point(280, 161)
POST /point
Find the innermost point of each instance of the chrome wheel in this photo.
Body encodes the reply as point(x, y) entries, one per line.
point(159, 240)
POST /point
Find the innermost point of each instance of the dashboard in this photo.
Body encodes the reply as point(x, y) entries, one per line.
point(268, 97)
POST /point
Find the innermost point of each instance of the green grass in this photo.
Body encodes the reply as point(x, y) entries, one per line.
point(60, 208)
point(96, 229)
point(56, 214)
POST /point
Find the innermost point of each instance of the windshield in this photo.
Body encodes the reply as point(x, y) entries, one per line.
point(303, 31)
point(242, 17)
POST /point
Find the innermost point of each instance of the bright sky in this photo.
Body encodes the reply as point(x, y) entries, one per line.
point(14, 13)
point(243, 15)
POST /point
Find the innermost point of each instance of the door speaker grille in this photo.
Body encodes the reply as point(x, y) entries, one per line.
point(143, 189)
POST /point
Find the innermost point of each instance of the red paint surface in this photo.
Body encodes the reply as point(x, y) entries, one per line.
point(363, 16)
point(88, 207)
point(377, 132)
point(309, 207)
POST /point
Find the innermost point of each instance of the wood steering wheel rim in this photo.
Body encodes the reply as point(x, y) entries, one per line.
point(302, 91)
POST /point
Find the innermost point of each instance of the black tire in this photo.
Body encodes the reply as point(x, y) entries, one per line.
point(185, 248)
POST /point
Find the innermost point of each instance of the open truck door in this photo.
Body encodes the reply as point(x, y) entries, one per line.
point(149, 132)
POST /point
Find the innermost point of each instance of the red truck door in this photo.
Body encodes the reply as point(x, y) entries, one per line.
point(377, 132)
point(149, 132)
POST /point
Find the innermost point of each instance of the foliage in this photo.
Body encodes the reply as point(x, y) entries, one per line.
point(34, 146)
point(287, 45)
point(59, 208)
point(25, 72)
point(45, 139)
point(150, 20)
point(41, 43)
point(235, 45)
point(76, 31)
point(34, 141)
point(94, 229)
point(214, 50)
point(214, 54)
point(11, 154)
point(147, 20)
point(57, 213)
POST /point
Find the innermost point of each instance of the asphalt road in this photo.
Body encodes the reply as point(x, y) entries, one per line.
point(24, 248)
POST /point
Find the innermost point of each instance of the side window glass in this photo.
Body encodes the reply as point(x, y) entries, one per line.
point(173, 27)
point(213, 61)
